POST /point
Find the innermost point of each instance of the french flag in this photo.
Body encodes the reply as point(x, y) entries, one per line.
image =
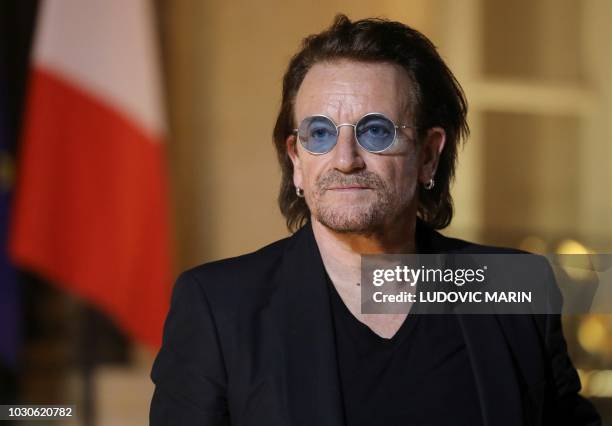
point(91, 207)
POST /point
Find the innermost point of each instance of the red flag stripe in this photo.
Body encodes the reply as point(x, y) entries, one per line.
point(91, 207)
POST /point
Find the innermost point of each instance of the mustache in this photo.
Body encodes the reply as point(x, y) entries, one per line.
point(336, 178)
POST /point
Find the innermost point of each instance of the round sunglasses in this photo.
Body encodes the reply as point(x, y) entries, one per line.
point(374, 132)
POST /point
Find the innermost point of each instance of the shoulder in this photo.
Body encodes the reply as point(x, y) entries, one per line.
point(526, 261)
point(241, 281)
point(249, 264)
point(433, 241)
point(509, 268)
point(457, 245)
point(521, 261)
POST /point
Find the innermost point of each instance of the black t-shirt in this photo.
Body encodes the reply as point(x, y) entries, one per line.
point(420, 377)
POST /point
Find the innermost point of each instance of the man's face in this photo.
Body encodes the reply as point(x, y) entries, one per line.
point(349, 189)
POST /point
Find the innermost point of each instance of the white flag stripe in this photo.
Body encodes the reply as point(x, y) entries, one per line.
point(107, 48)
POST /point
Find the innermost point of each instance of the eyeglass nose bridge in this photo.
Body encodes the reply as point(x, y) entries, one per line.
point(345, 124)
point(354, 126)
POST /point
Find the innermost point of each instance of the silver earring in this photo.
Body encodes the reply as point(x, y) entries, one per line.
point(429, 184)
point(299, 192)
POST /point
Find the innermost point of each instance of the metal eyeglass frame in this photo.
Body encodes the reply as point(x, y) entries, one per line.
point(354, 126)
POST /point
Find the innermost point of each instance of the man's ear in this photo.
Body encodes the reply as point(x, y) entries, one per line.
point(292, 151)
point(430, 153)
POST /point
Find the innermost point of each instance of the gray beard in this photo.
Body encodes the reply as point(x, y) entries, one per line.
point(363, 220)
point(367, 220)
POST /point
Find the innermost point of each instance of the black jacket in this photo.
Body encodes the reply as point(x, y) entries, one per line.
point(249, 341)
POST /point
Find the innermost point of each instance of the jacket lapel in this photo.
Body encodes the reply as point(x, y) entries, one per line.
point(490, 356)
point(303, 311)
point(496, 382)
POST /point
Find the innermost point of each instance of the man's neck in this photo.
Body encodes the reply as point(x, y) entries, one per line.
point(341, 252)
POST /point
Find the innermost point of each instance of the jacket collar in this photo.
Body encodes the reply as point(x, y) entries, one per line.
point(311, 375)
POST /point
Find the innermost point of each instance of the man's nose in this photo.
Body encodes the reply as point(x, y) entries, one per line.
point(347, 153)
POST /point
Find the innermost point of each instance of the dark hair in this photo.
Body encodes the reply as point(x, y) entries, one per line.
point(439, 101)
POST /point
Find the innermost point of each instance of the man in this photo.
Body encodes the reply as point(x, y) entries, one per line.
point(367, 139)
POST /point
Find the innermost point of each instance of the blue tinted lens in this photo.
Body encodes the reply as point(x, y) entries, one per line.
point(375, 132)
point(317, 134)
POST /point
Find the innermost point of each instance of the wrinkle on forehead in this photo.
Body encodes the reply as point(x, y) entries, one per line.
point(345, 90)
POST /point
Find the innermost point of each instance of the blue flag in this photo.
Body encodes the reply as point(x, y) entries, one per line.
point(10, 306)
